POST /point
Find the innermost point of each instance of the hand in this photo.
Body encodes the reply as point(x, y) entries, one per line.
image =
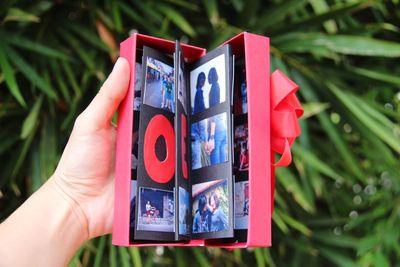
point(85, 173)
point(210, 146)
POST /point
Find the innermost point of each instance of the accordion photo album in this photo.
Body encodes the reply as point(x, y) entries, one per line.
point(189, 152)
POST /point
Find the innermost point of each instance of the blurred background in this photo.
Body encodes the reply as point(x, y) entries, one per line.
point(337, 205)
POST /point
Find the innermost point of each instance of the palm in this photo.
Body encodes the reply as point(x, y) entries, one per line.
point(86, 169)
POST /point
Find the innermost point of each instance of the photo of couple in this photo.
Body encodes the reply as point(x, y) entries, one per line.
point(210, 207)
point(209, 139)
point(208, 85)
point(159, 91)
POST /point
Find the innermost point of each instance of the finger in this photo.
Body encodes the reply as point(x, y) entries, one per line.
point(102, 108)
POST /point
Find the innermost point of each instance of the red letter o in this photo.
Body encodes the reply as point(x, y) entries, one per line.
point(159, 171)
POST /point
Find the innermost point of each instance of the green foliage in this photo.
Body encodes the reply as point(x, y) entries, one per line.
point(337, 205)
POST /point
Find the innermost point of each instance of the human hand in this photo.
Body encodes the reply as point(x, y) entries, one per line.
point(210, 146)
point(85, 173)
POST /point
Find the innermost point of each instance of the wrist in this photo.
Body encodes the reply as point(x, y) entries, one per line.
point(73, 207)
point(47, 222)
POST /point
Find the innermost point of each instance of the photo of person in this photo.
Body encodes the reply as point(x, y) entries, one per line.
point(210, 208)
point(208, 84)
point(240, 94)
point(133, 206)
point(209, 141)
point(137, 97)
point(182, 90)
point(183, 211)
point(135, 146)
point(156, 210)
point(241, 148)
point(159, 89)
point(241, 205)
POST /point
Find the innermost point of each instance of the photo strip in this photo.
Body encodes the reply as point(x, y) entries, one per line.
point(155, 209)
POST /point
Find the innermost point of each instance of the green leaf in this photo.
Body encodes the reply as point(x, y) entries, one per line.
point(177, 19)
point(381, 260)
point(99, 251)
point(334, 12)
point(340, 259)
point(9, 75)
point(342, 44)
point(310, 94)
point(31, 73)
point(384, 133)
point(278, 13)
point(16, 14)
point(259, 257)
point(116, 16)
point(315, 162)
point(112, 256)
point(35, 46)
point(32, 119)
point(212, 11)
point(124, 256)
point(311, 109)
point(200, 257)
point(377, 75)
point(299, 226)
point(343, 241)
point(135, 255)
point(289, 182)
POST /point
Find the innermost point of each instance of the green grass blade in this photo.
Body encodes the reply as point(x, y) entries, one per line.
point(342, 44)
point(9, 77)
point(30, 73)
point(32, 119)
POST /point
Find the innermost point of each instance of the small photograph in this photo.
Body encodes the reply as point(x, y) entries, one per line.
point(182, 90)
point(133, 205)
point(135, 139)
point(156, 210)
point(183, 211)
point(241, 205)
point(137, 98)
point(208, 84)
point(240, 94)
point(159, 89)
point(209, 139)
point(210, 208)
point(241, 148)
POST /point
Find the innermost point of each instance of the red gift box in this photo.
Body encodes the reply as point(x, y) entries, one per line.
point(273, 112)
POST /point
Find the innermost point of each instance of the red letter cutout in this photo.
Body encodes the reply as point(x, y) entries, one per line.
point(159, 171)
point(183, 144)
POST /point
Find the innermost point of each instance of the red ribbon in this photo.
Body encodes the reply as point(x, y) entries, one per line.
point(285, 112)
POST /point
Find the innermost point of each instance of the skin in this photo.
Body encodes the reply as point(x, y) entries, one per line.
point(76, 203)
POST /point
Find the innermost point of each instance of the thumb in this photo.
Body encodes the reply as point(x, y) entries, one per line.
point(102, 108)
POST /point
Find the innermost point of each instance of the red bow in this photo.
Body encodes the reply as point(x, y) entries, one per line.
point(285, 112)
